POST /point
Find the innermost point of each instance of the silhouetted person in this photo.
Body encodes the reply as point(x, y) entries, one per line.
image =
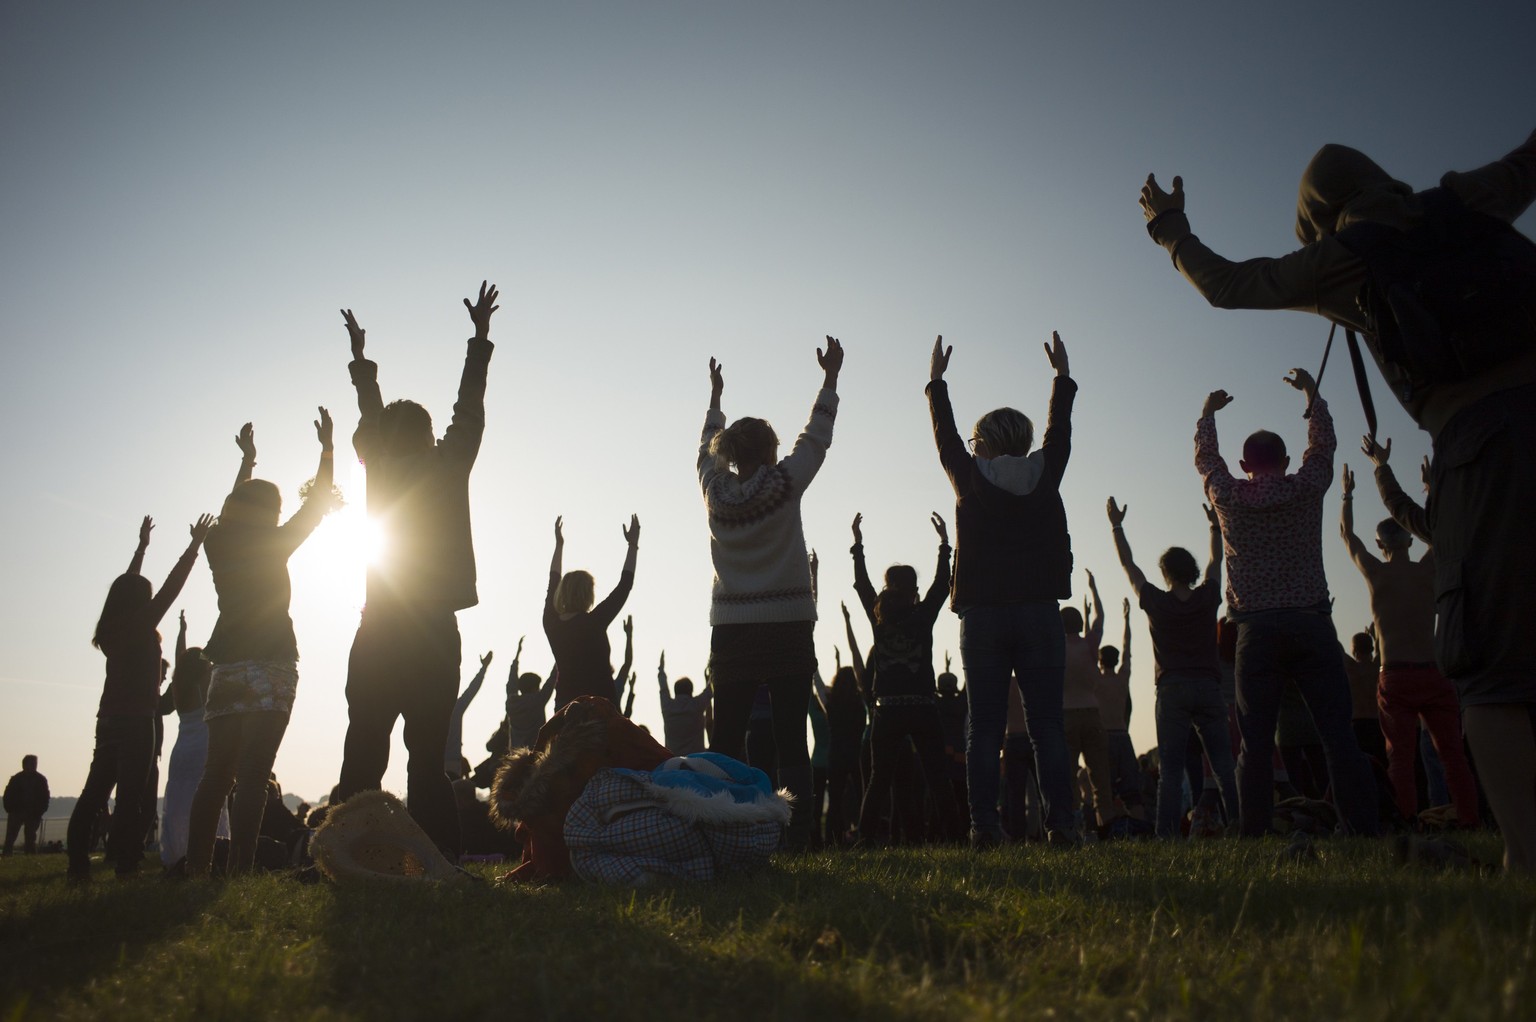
point(1277, 593)
point(1081, 718)
point(1182, 620)
point(1114, 692)
point(762, 604)
point(844, 708)
point(189, 693)
point(577, 631)
point(527, 704)
point(1410, 687)
point(905, 701)
point(952, 715)
point(1013, 562)
point(1354, 221)
point(685, 717)
point(26, 800)
point(252, 648)
point(405, 659)
point(127, 633)
point(453, 752)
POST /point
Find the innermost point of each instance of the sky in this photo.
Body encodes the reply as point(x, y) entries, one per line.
point(188, 194)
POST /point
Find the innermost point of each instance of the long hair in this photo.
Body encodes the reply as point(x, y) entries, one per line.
point(574, 593)
point(746, 440)
point(126, 599)
point(899, 594)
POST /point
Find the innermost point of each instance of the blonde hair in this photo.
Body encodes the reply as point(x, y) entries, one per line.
point(745, 439)
point(1007, 431)
point(574, 593)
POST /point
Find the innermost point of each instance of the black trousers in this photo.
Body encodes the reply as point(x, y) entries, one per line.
point(125, 750)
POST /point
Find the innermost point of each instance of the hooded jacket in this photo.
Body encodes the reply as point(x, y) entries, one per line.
point(1342, 186)
point(1011, 540)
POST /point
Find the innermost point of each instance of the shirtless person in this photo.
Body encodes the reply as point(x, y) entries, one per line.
point(1410, 686)
point(1114, 691)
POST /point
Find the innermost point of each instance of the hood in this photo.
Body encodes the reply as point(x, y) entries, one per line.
point(1342, 186)
point(1014, 473)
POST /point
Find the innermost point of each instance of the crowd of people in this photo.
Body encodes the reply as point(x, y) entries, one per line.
point(1262, 718)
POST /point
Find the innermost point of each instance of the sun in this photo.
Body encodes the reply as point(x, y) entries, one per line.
point(337, 555)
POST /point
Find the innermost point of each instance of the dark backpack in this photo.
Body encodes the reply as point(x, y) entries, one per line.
point(1445, 301)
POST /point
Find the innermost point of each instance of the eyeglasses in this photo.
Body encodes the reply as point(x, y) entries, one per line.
point(973, 441)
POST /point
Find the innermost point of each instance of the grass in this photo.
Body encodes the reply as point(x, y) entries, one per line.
point(1124, 931)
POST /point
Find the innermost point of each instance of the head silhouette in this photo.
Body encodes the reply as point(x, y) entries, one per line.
point(1178, 567)
point(528, 684)
point(405, 428)
point(574, 594)
point(1003, 431)
point(899, 594)
point(1392, 536)
point(746, 444)
point(128, 597)
point(1264, 454)
point(253, 502)
point(1072, 620)
point(1109, 658)
point(29, 762)
point(683, 688)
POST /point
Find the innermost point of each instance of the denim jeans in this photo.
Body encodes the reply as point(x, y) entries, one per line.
point(1184, 702)
point(1301, 647)
point(1023, 641)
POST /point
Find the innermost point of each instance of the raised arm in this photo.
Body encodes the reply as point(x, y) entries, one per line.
point(938, 591)
point(629, 701)
point(1096, 629)
point(1213, 564)
point(661, 682)
point(1406, 511)
point(1317, 463)
point(953, 456)
point(1056, 447)
point(1209, 463)
point(810, 449)
point(861, 583)
point(136, 562)
point(171, 587)
point(365, 380)
point(853, 651)
point(473, 688)
point(319, 497)
point(714, 422)
point(1125, 639)
point(629, 657)
point(1357, 550)
point(823, 694)
point(555, 563)
point(179, 676)
point(246, 441)
point(461, 441)
point(1123, 546)
point(614, 601)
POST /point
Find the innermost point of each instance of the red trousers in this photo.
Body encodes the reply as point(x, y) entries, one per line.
point(1406, 694)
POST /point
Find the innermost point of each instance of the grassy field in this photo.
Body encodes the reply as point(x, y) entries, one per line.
point(1126, 931)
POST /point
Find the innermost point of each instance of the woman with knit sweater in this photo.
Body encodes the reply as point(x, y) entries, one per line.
point(1013, 562)
point(762, 606)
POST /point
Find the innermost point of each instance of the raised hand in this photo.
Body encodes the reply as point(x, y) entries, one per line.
point(559, 535)
point(355, 332)
point(846, 616)
point(1303, 381)
point(832, 361)
point(246, 441)
point(1215, 401)
point(182, 627)
point(485, 661)
point(1423, 470)
point(939, 527)
point(632, 534)
point(145, 528)
point(629, 625)
point(716, 382)
point(322, 431)
point(661, 665)
point(1346, 482)
point(1116, 514)
point(858, 531)
point(519, 654)
point(480, 311)
point(199, 529)
point(946, 661)
point(1057, 353)
point(1155, 202)
point(1211, 516)
point(1378, 453)
point(939, 360)
point(1125, 607)
point(837, 654)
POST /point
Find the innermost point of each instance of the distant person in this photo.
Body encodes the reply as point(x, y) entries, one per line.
point(527, 703)
point(1462, 361)
point(127, 633)
point(1271, 523)
point(577, 631)
point(1081, 718)
point(762, 605)
point(1013, 562)
point(904, 689)
point(405, 659)
point(26, 800)
point(1361, 665)
point(1186, 657)
point(1114, 692)
point(453, 752)
point(253, 650)
point(1410, 688)
point(685, 717)
point(845, 711)
point(952, 715)
point(189, 692)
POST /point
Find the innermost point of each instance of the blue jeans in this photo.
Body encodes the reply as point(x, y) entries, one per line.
point(1026, 641)
point(1293, 645)
point(1183, 702)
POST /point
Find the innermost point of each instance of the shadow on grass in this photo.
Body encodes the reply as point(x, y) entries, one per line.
point(56, 937)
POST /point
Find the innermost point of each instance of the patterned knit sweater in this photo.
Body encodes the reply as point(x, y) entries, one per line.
point(755, 538)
